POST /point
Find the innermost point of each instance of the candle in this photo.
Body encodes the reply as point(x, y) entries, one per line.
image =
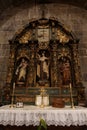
point(12, 99)
point(70, 85)
point(71, 94)
point(13, 85)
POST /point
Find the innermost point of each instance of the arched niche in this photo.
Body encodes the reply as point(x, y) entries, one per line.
point(52, 60)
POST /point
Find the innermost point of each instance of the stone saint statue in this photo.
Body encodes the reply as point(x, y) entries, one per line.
point(66, 73)
point(21, 70)
point(43, 67)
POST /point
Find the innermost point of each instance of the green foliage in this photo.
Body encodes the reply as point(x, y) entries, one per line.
point(42, 125)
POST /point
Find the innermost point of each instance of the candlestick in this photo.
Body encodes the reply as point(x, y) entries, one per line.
point(72, 102)
point(42, 94)
point(12, 99)
point(44, 101)
point(13, 85)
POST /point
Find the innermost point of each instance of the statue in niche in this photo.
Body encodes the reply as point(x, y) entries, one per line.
point(43, 68)
point(65, 71)
point(21, 71)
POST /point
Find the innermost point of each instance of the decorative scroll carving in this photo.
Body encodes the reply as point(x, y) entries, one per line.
point(62, 37)
point(26, 37)
point(64, 52)
point(23, 52)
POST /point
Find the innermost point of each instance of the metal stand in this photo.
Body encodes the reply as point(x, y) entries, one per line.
point(71, 96)
point(42, 93)
point(12, 98)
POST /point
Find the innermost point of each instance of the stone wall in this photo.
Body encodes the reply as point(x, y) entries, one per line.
point(13, 19)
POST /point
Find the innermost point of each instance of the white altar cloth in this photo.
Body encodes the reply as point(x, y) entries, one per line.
point(31, 115)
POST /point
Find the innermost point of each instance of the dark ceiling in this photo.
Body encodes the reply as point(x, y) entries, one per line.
point(4, 4)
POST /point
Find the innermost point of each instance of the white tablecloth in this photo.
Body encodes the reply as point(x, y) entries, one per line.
point(31, 115)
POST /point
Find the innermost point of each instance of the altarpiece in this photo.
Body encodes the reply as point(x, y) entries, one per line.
point(44, 54)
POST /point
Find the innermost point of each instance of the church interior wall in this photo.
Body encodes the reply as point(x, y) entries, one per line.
point(14, 19)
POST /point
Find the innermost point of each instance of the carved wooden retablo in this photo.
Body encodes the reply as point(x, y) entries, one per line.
point(44, 54)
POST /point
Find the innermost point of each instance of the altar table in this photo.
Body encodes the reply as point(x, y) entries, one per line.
point(31, 115)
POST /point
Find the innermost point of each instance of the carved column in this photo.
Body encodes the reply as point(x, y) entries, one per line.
point(54, 64)
point(11, 63)
point(31, 81)
point(9, 80)
point(77, 73)
point(77, 64)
